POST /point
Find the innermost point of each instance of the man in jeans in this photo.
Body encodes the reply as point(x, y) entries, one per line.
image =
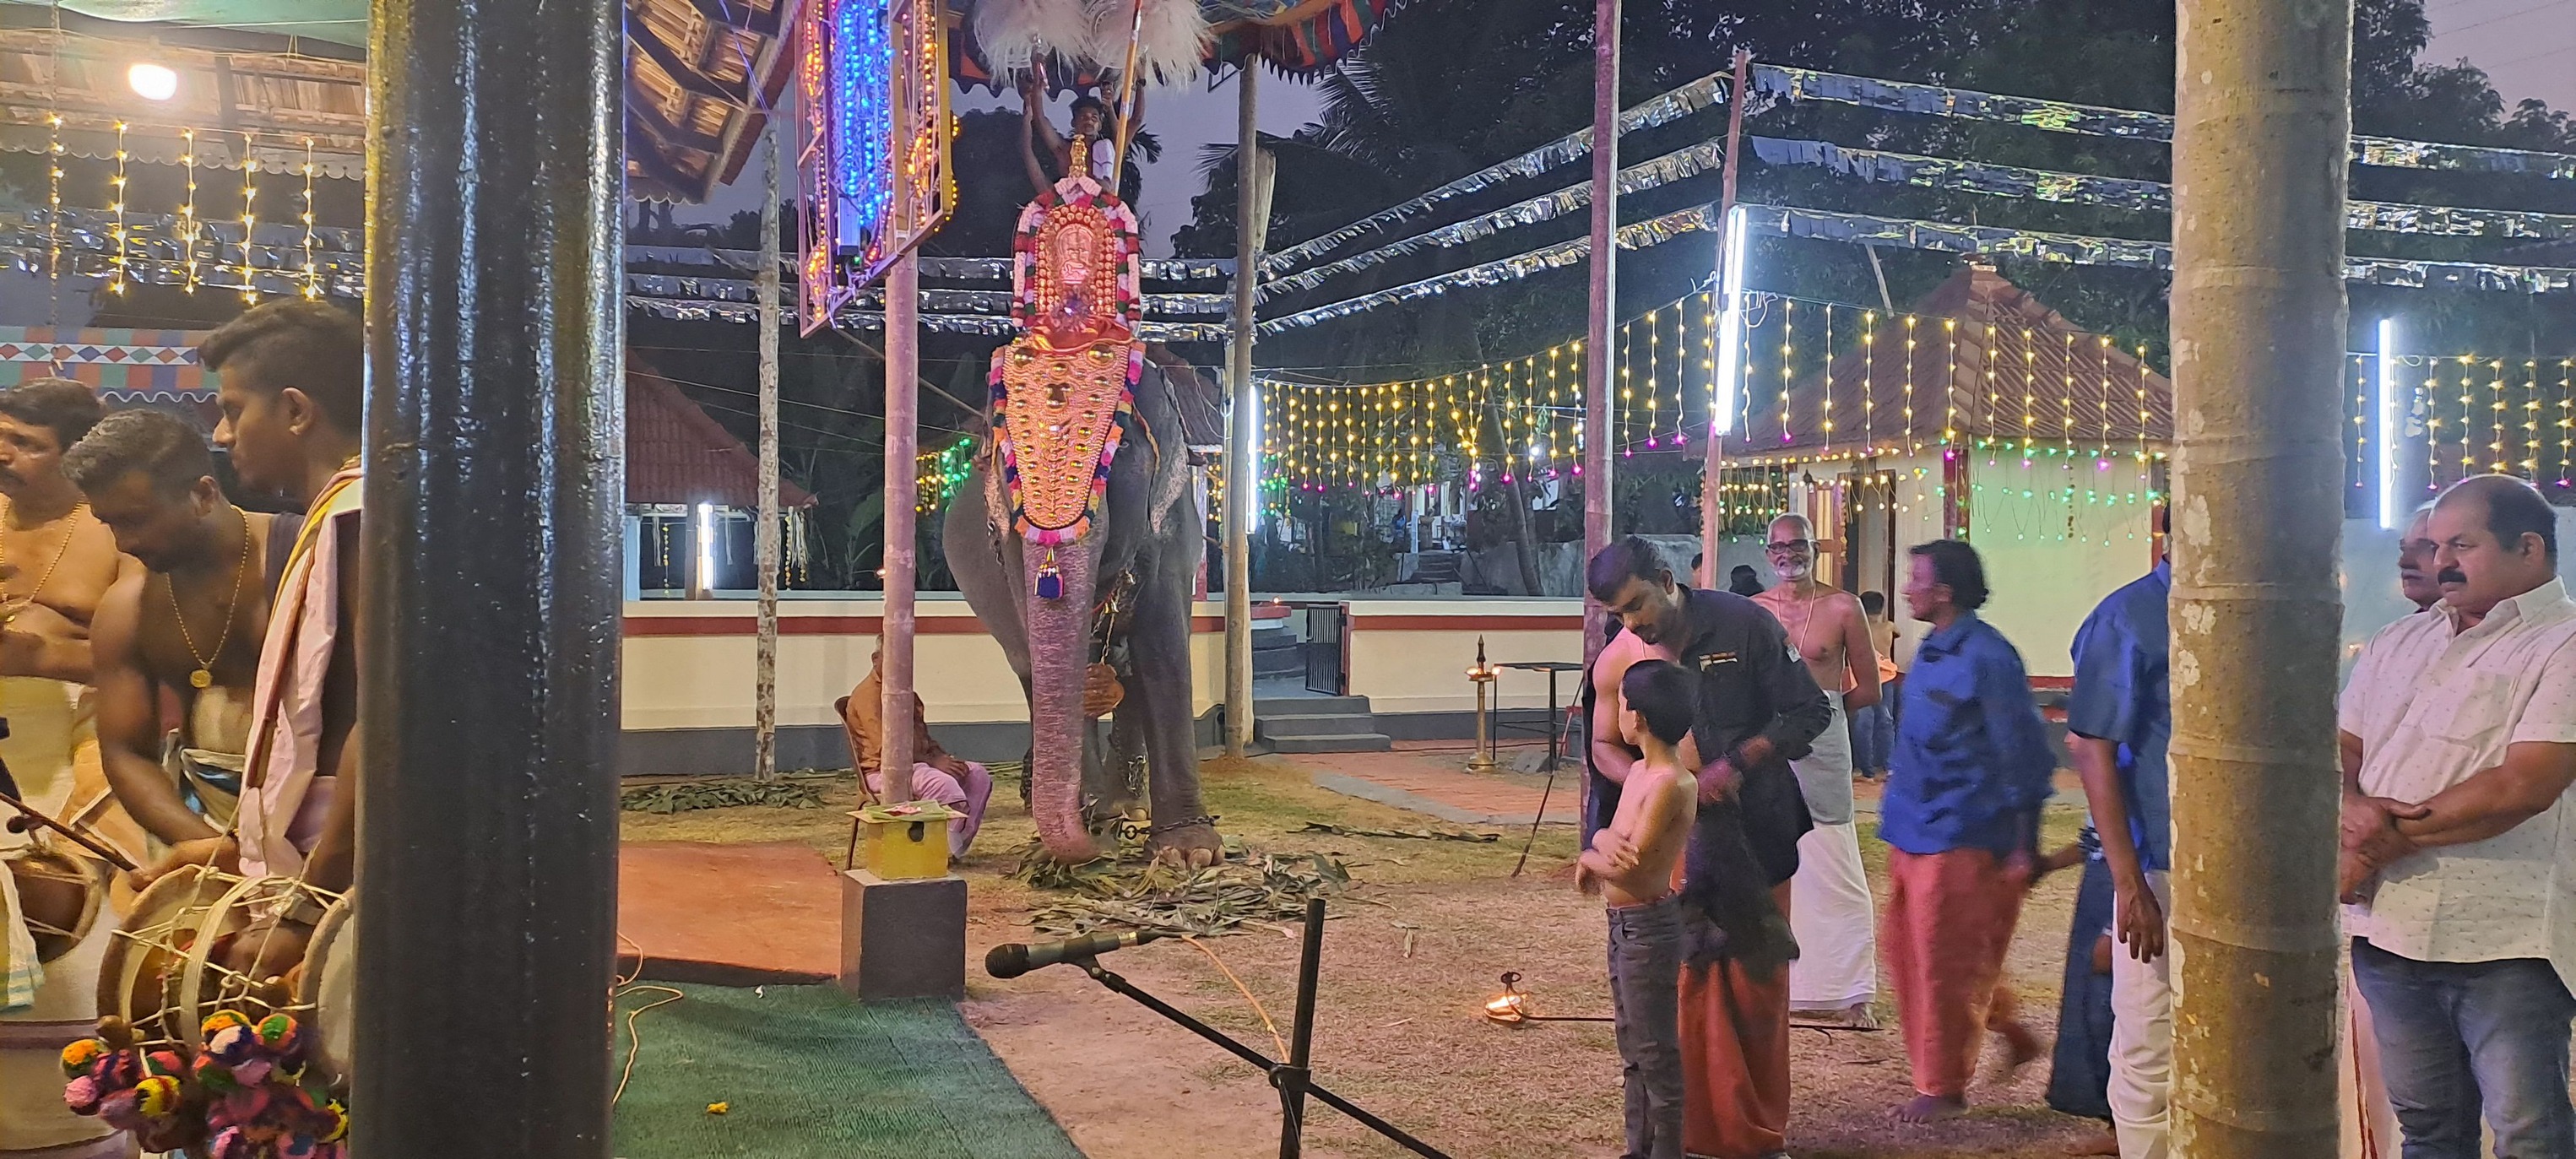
point(1873, 728)
point(2458, 858)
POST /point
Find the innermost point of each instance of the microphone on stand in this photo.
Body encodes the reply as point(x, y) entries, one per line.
point(1013, 959)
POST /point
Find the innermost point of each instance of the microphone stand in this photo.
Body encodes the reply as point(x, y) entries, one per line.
point(1293, 1077)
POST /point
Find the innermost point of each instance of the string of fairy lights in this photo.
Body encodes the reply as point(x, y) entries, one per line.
point(2477, 414)
point(201, 253)
point(1834, 382)
point(2053, 423)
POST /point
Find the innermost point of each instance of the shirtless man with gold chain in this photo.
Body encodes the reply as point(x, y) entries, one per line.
point(187, 624)
point(57, 563)
point(1836, 975)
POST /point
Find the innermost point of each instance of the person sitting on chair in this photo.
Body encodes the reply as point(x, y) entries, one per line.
point(936, 776)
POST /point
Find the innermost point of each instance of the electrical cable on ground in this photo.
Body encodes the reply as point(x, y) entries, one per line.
point(620, 988)
point(1246, 991)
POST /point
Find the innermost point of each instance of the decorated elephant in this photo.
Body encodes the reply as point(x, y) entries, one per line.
point(1077, 536)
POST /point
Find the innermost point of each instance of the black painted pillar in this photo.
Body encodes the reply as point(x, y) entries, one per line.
point(487, 825)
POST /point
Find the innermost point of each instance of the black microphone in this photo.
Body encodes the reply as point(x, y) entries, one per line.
point(1012, 959)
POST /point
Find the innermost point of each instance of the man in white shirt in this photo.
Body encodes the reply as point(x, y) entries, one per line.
point(2459, 854)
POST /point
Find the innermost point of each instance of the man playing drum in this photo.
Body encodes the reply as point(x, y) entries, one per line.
point(293, 385)
point(187, 624)
point(56, 566)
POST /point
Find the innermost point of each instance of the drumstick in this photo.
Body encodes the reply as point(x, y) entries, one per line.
point(29, 814)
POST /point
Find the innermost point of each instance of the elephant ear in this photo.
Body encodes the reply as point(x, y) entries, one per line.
point(1160, 420)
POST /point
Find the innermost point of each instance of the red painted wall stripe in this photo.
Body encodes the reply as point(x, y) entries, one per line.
point(1520, 623)
point(641, 626)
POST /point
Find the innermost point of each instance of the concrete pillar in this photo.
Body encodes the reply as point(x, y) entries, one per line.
point(487, 817)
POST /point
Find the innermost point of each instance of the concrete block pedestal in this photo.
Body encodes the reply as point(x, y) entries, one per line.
point(903, 939)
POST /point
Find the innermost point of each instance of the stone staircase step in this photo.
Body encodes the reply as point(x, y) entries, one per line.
point(1274, 706)
point(1339, 724)
point(1368, 742)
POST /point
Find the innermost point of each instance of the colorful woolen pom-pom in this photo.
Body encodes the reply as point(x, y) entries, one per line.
point(231, 1143)
point(80, 1056)
point(214, 1076)
point(160, 1096)
point(233, 1045)
point(280, 1033)
point(117, 1070)
point(122, 1110)
point(222, 1020)
point(81, 1095)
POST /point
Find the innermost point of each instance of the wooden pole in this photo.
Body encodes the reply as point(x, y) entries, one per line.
point(1126, 100)
point(1712, 523)
point(1240, 438)
point(764, 687)
point(488, 675)
point(1598, 370)
point(2263, 120)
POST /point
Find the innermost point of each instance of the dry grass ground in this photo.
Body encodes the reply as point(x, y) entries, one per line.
point(1410, 958)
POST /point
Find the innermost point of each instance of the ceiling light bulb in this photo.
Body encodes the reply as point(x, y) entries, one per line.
point(153, 82)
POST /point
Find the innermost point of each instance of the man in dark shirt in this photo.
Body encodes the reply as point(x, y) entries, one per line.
point(1759, 708)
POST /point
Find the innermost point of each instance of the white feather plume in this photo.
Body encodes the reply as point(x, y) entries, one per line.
point(1171, 39)
point(1015, 33)
point(1173, 43)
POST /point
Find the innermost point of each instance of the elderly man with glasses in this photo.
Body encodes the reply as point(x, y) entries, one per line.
point(1836, 974)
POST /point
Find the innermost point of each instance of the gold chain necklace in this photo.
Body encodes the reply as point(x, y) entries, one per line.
point(17, 604)
point(204, 676)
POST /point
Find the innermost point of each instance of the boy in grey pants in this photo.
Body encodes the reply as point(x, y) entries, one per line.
point(1631, 866)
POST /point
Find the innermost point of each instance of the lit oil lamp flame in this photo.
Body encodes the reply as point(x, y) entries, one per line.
point(1482, 671)
point(1511, 1006)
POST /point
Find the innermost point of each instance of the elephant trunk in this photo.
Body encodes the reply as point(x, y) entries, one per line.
point(1059, 653)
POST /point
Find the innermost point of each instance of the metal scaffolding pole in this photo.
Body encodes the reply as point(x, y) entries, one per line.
point(1598, 370)
point(487, 819)
point(2263, 117)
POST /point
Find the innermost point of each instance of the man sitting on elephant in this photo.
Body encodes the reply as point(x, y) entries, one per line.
point(936, 776)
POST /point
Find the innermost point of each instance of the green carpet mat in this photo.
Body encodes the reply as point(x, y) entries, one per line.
point(808, 1071)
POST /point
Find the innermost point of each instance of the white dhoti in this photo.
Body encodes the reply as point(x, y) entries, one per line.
point(1829, 903)
point(49, 729)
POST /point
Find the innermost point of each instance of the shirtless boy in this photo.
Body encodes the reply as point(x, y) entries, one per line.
point(1836, 975)
point(188, 623)
point(1631, 864)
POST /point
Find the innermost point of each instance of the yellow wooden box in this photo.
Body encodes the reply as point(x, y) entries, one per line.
point(907, 842)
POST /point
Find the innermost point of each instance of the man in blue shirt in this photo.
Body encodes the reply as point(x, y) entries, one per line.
point(2119, 721)
point(1961, 815)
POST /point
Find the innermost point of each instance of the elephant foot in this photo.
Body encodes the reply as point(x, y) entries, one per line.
point(1192, 844)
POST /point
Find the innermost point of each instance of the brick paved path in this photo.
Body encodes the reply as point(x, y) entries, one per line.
point(1432, 778)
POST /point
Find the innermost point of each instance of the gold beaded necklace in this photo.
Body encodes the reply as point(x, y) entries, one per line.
point(204, 675)
point(17, 604)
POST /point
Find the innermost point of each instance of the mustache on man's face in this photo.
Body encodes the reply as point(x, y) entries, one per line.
point(2450, 575)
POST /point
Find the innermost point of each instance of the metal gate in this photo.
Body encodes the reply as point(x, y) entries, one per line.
point(1325, 628)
